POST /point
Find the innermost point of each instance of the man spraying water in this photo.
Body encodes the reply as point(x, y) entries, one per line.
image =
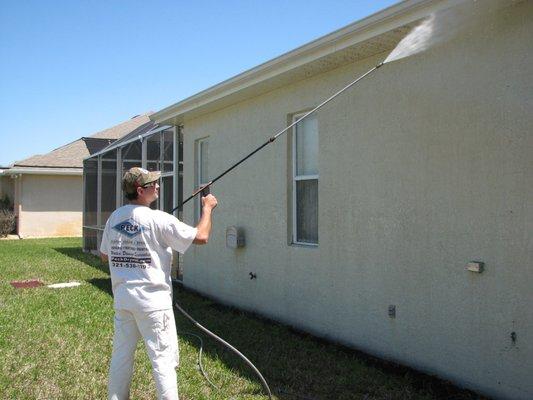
point(137, 243)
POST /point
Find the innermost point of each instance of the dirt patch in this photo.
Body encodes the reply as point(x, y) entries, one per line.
point(30, 283)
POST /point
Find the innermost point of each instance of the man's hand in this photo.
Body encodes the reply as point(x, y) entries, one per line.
point(204, 226)
point(209, 202)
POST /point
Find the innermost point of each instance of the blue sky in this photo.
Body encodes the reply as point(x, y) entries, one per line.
point(71, 68)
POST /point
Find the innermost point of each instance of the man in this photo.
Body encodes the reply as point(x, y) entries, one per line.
point(137, 243)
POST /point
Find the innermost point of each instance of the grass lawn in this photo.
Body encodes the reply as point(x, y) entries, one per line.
point(56, 343)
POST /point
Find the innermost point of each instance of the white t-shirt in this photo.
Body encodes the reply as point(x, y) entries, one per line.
point(138, 242)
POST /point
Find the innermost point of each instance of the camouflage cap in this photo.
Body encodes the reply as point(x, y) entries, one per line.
point(136, 177)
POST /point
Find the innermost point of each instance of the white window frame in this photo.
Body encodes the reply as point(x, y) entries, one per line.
point(296, 178)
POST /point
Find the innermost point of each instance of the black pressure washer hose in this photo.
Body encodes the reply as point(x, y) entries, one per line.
point(229, 346)
point(205, 190)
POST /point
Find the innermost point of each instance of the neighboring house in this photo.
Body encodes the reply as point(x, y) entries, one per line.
point(48, 189)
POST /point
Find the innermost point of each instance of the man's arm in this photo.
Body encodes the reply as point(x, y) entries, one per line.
point(209, 202)
point(104, 250)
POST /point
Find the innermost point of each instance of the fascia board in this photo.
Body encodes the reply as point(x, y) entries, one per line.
point(43, 171)
point(388, 19)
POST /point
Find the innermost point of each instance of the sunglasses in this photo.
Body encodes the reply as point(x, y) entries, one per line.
point(149, 184)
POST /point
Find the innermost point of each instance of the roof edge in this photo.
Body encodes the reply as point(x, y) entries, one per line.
point(43, 171)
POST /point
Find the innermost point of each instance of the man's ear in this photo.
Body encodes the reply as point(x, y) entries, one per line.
point(139, 190)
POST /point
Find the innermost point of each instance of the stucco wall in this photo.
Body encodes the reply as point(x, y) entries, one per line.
point(51, 205)
point(424, 166)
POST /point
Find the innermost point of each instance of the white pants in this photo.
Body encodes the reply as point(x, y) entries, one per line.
point(158, 331)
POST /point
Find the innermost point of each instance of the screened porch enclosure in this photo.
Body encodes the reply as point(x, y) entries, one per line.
point(155, 149)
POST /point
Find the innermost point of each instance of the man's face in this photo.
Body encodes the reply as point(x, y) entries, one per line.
point(149, 192)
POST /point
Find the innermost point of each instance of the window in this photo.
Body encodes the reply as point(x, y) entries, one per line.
point(305, 181)
point(202, 174)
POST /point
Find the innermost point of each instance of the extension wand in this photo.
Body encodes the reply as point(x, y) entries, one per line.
point(205, 189)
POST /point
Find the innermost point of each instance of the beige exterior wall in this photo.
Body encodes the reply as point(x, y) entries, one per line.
point(50, 205)
point(425, 165)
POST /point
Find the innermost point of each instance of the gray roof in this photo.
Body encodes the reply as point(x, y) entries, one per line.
point(72, 154)
point(120, 130)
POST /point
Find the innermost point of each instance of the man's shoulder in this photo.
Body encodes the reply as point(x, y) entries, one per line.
point(162, 216)
point(121, 211)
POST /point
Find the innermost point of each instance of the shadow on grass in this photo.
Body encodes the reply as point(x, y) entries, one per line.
point(104, 284)
point(86, 258)
point(296, 365)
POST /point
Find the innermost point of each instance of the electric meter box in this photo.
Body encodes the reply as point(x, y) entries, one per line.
point(234, 237)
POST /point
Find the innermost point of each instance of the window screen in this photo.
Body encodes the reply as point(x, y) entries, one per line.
point(153, 153)
point(168, 151)
point(131, 157)
point(109, 184)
